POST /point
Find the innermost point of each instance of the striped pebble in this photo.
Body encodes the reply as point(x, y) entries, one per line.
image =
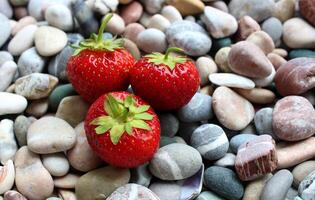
point(175, 162)
point(210, 140)
point(133, 192)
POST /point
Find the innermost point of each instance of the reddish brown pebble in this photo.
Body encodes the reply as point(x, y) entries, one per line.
point(276, 60)
point(246, 26)
point(132, 12)
point(307, 10)
point(256, 158)
point(296, 76)
point(246, 59)
point(293, 118)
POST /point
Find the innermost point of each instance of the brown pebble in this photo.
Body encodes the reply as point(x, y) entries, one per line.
point(132, 48)
point(281, 52)
point(20, 12)
point(246, 26)
point(257, 95)
point(187, 7)
point(132, 31)
point(132, 12)
point(276, 60)
point(262, 40)
point(307, 10)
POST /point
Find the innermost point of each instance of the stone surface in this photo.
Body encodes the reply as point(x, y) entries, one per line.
point(50, 135)
point(30, 62)
point(141, 175)
point(5, 29)
point(273, 27)
point(21, 125)
point(152, 40)
point(246, 26)
point(257, 95)
point(159, 22)
point(133, 191)
point(245, 58)
point(237, 140)
point(7, 173)
point(306, 187)
point(284, 10)
point(56, 163)
point(27, 20)
point(276, 60)
point(5, 56)
point(224, 182)
point(13, 195)
point(256, 158)
point(116, 25)
point(263, 121)
point(169, 124)
point(68, 181)
point(293, 118)
point(81, 156)
point(171, 13)
point(254, 188)
point(132, 12)
point(263, 82)
point(307, 9)
point(59, 16)
point(231, 80)
point(221, 59)
point(227, 161)
point(226, 101)
point(57, 65)
point(100, 183)
point(32, 179)
point(175, 162)
point(11, 103)
point(166, 190)
point(132, 31)
point(206, 195)
point(8, 146)
point(187, 7)
point(210, 140)
point(262, 40)
point(277, 186)
point(302, 80)
point(297, 53)
point(205, 66)
point(7, 73)
point(37, 108)
point(301, 171)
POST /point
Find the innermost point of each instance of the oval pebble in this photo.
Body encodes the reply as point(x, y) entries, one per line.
point(152, 40)
point(262, 40)
point(254, 188)
point(68, 181)
point(59, 16)
point(5, 29)
point(56, 163)
point(133, 190)
point(231, 80)
point(238, 140)
point(171, 13)
point(11, 103)
point(205, 66)
point(30, 62)
point(159, 22)
point(132, 31)
point(132, 12)
point(7, 73)
point(263, 121)
point(273, 27)
point(306, 190)
point(257, 95)
point(301, 171)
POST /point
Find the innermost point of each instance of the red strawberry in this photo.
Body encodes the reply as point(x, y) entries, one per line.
point(99, 66)
point(122, 129)
point(166, 82)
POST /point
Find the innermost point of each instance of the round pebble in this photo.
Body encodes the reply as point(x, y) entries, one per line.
point(116, 25)
point(159, 22)
point(7, 73)
point(11, 103)
point(306, 190)
point(284, 10)
point(166, 190)
point(171, 13)
point(68, 181)
point(273, 27)
point(254, 188)
point(57, 65)
point(246, 26)
point(8, 144)
point(60, 92)
point(30, 62)
point(132, 12)
point(169, 124)
point(56, 163)
point(257, 95)
point(21, 125)
point(301, 171)
point(132, 31)
point(5, 56)
point(60, 17)
point(262, 40)
point(37, 108)
point(152, 40)
point(263, 121)
point(188, 7)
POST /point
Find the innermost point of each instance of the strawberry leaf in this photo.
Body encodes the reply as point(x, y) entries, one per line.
point(102, 120)
point(128, 128)
point(140, 124)
point(144, 116)
point(141, 109)
point(116, 132)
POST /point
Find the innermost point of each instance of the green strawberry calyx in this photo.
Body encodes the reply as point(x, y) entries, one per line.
point(96, 42)
point(167, 59)
point(123, 116)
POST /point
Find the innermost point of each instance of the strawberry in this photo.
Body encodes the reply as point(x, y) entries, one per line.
point(166, 82)
point(122, 129)
point(99, 66)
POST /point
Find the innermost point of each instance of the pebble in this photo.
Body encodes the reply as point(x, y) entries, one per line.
point(291, 194)
point(175, 162)
point(307, 8)
point(67, 182)
point(226, 161)
point(187, 7)
point(219, 24)
point(221, 59)
point(205, 66)
point(132, 48)
point(81, 157)
point(21, 125)
point(132, 12)
point(27, 20)
point(297, 53)
point(220, 43)
point(32, 179)
point(221, 5)
point(133, 191)
point(284, 10)
point(116, 25)
point(11, 103)
point(30, 62)
point(56, 163)
point(7, 173)
point(224, 182)
point(231, 80)
point(171, 13)
point(301, 171)
point(37, 108)
point(198, 109)
point(57, 65)
point(153, 6)
point(103, 7)
point(72, 109)
point(132, 31)
point(276, 60)
point(226, 101)
point(100, 183)
point(66, 194)
point(245, 58)
point(306, 187)
point(293, 118)
point(141, 175)
point(263, 82)
point(159, 22)
point(257, 95)
point(273, 27)
point(246, 26)
point(239, 139)
point(169, 124)
point(7, 73)
point(59, 16)
point(263, 121)
point(210, 140)
point(49, 40)
point(166, 190)
point(13, 195)
point(20, 12)
point(256, 158)
point(5, 56)
point(291, 154)
point(5, 28)
point(60, 92)
point(207, 195)
point(262, 40)
point(50, 135)
point(254, 188)
point(35, 85)
point(277, 186)
point(297, 33)
point(22, 40)
point(254, 8)
point(288, 83)
point(6, 9)
point(152, 40)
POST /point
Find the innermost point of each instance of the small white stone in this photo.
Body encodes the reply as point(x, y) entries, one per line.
point(59, 16)
point(11, 103)
point(171, 13)
point(159, 22)
point(152, 40)
point(7, 72)
point(56, 163)
point(116, 25)
point(231, 80)
point(8, 146)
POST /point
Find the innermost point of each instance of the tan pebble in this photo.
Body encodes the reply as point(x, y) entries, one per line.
point(221, 5)
point(125, 1)
point(37, 108)
point(67, 182)
point(67, 195)
point(301, 171)
point(132, 12)
point(7, 175)
point(187, 7)
point(257, 95)
point(159, 22)
point(254, 188)
point(246, 26)
point(284, 10)
point(22, 23)
point(276, 60)
point(221, 59)
point(116, 25)
point(145, 18)
point(262, 40)
point(208, 90)
point(205, 66)
point(281, 52)
point(132, 48)
point(132, 31)
point(11, 88)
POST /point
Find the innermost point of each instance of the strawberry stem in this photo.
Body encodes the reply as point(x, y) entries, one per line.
point(103, 26)
point(172, 49)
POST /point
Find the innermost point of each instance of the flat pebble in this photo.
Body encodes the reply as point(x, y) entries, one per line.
point(231, 80)
point(277, 186)
point(49, 40)
point(187, 7)
point(205, 66)
point(257, 95)
point(273, 27)
point(56, 163)
point(306, 187)
point(21, 125)
point(175, 162)
point(226, 101)
point(239, 139)
point(159, 22)
point(132, 12)
point(254, 188)
point(68, 181)
point(7, 73)
point(210, 140)
point(11, 103)
point(246, 26)
point(169, 124)
point(293, 118)
point(35, 86)
point(57, 65)
point(7, 172)
point(132, 190)
point(5, 28)
point(301, 171)
point(81, 156)
point(198, 109)
point(152, 40)
point(100, 183)
point(171, 13)
point(226, 161)
point(50, 135)
point(30, 62)
point(262, 40)
point(31, 172)
point(37, 108)
point(284, 10)
point(224, 182)
point(59, 16)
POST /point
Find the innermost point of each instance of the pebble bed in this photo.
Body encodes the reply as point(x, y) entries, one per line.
point(248, 133)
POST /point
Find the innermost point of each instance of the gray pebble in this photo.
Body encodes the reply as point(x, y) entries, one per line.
point(166, 190)
point(273, 27)
point(208, 195)
point(57, 66)
point(237, 140)
point(198, 109)
point(153, 6)
point(263, 122)
point(210, 140)
point(141, 175)
point(74, 38)
point(169, 124)
point(30, 62)
point(21, 125)
point(5, 28)
point(291, 194)
point(307, 187)
point(59, 16)
point(181, 26)
point(152, 40)
point(7, 72)
point(227, 161)
point(6, 9)
point(5, 56)
point(186, 130)
point(250, 129)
